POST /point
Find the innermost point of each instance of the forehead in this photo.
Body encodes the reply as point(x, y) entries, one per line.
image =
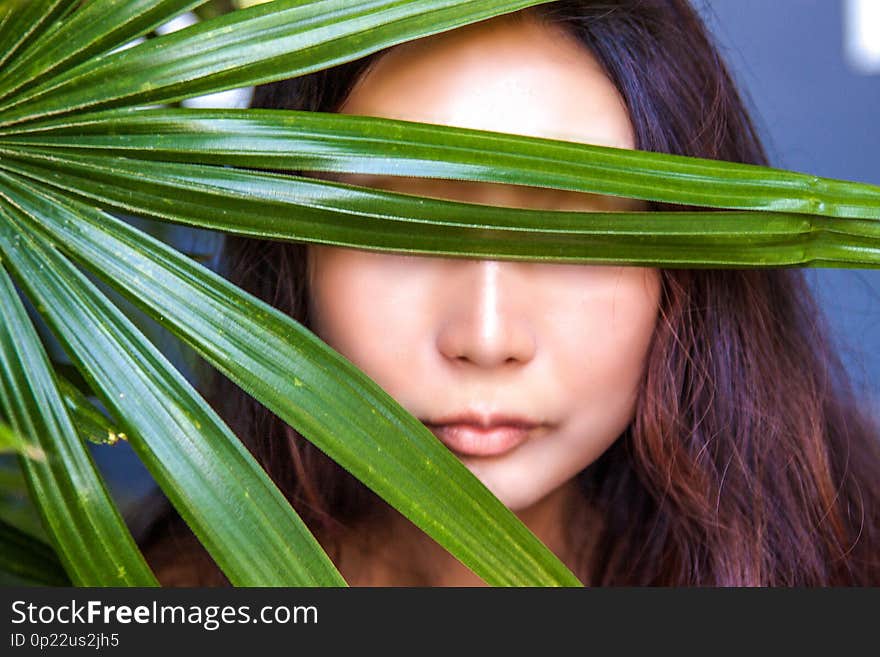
point(509, 74)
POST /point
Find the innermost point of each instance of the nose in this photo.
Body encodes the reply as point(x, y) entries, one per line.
point(486, 323)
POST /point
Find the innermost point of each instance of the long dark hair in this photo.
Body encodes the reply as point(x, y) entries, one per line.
point(748, 462)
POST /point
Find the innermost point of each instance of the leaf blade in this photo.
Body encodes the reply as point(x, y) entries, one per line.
point(90, 423)
point(94, 28)
point(21, 20)
point(316, 390)
point(189, 451)
point(89, 535)
point(315, 141)
point(306, 209)
point(292, 38)
point(11, 442)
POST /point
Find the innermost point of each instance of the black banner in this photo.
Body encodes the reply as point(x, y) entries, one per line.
point(549, 621)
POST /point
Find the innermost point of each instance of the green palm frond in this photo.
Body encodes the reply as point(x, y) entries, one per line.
point(76, 143)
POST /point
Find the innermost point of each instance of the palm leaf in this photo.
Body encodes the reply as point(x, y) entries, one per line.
point(315, 141)
point(205, 471)
point(11, 442)
point(267, 42)
point(22, 21)
point(308, 385)
point(305, 209)
point(97, 27)
point(90, 536)
point(90, 423)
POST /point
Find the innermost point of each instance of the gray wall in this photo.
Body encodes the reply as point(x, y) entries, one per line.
point(817, 113)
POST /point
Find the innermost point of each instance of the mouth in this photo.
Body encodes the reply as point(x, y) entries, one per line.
point(479, 436)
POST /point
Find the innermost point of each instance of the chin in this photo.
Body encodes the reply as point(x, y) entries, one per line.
point(515, 489)
point(514, 498)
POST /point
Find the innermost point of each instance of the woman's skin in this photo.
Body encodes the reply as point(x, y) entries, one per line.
point(560, 344)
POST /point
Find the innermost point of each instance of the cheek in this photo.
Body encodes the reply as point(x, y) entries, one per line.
point(604, 342)
point(367, 306)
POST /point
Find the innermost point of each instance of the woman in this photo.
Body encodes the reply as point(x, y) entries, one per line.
point(660, 427)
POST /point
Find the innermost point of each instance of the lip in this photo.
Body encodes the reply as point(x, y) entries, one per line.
point(472, 434)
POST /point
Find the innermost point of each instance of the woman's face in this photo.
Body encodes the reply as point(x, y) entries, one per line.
point(532, 369)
